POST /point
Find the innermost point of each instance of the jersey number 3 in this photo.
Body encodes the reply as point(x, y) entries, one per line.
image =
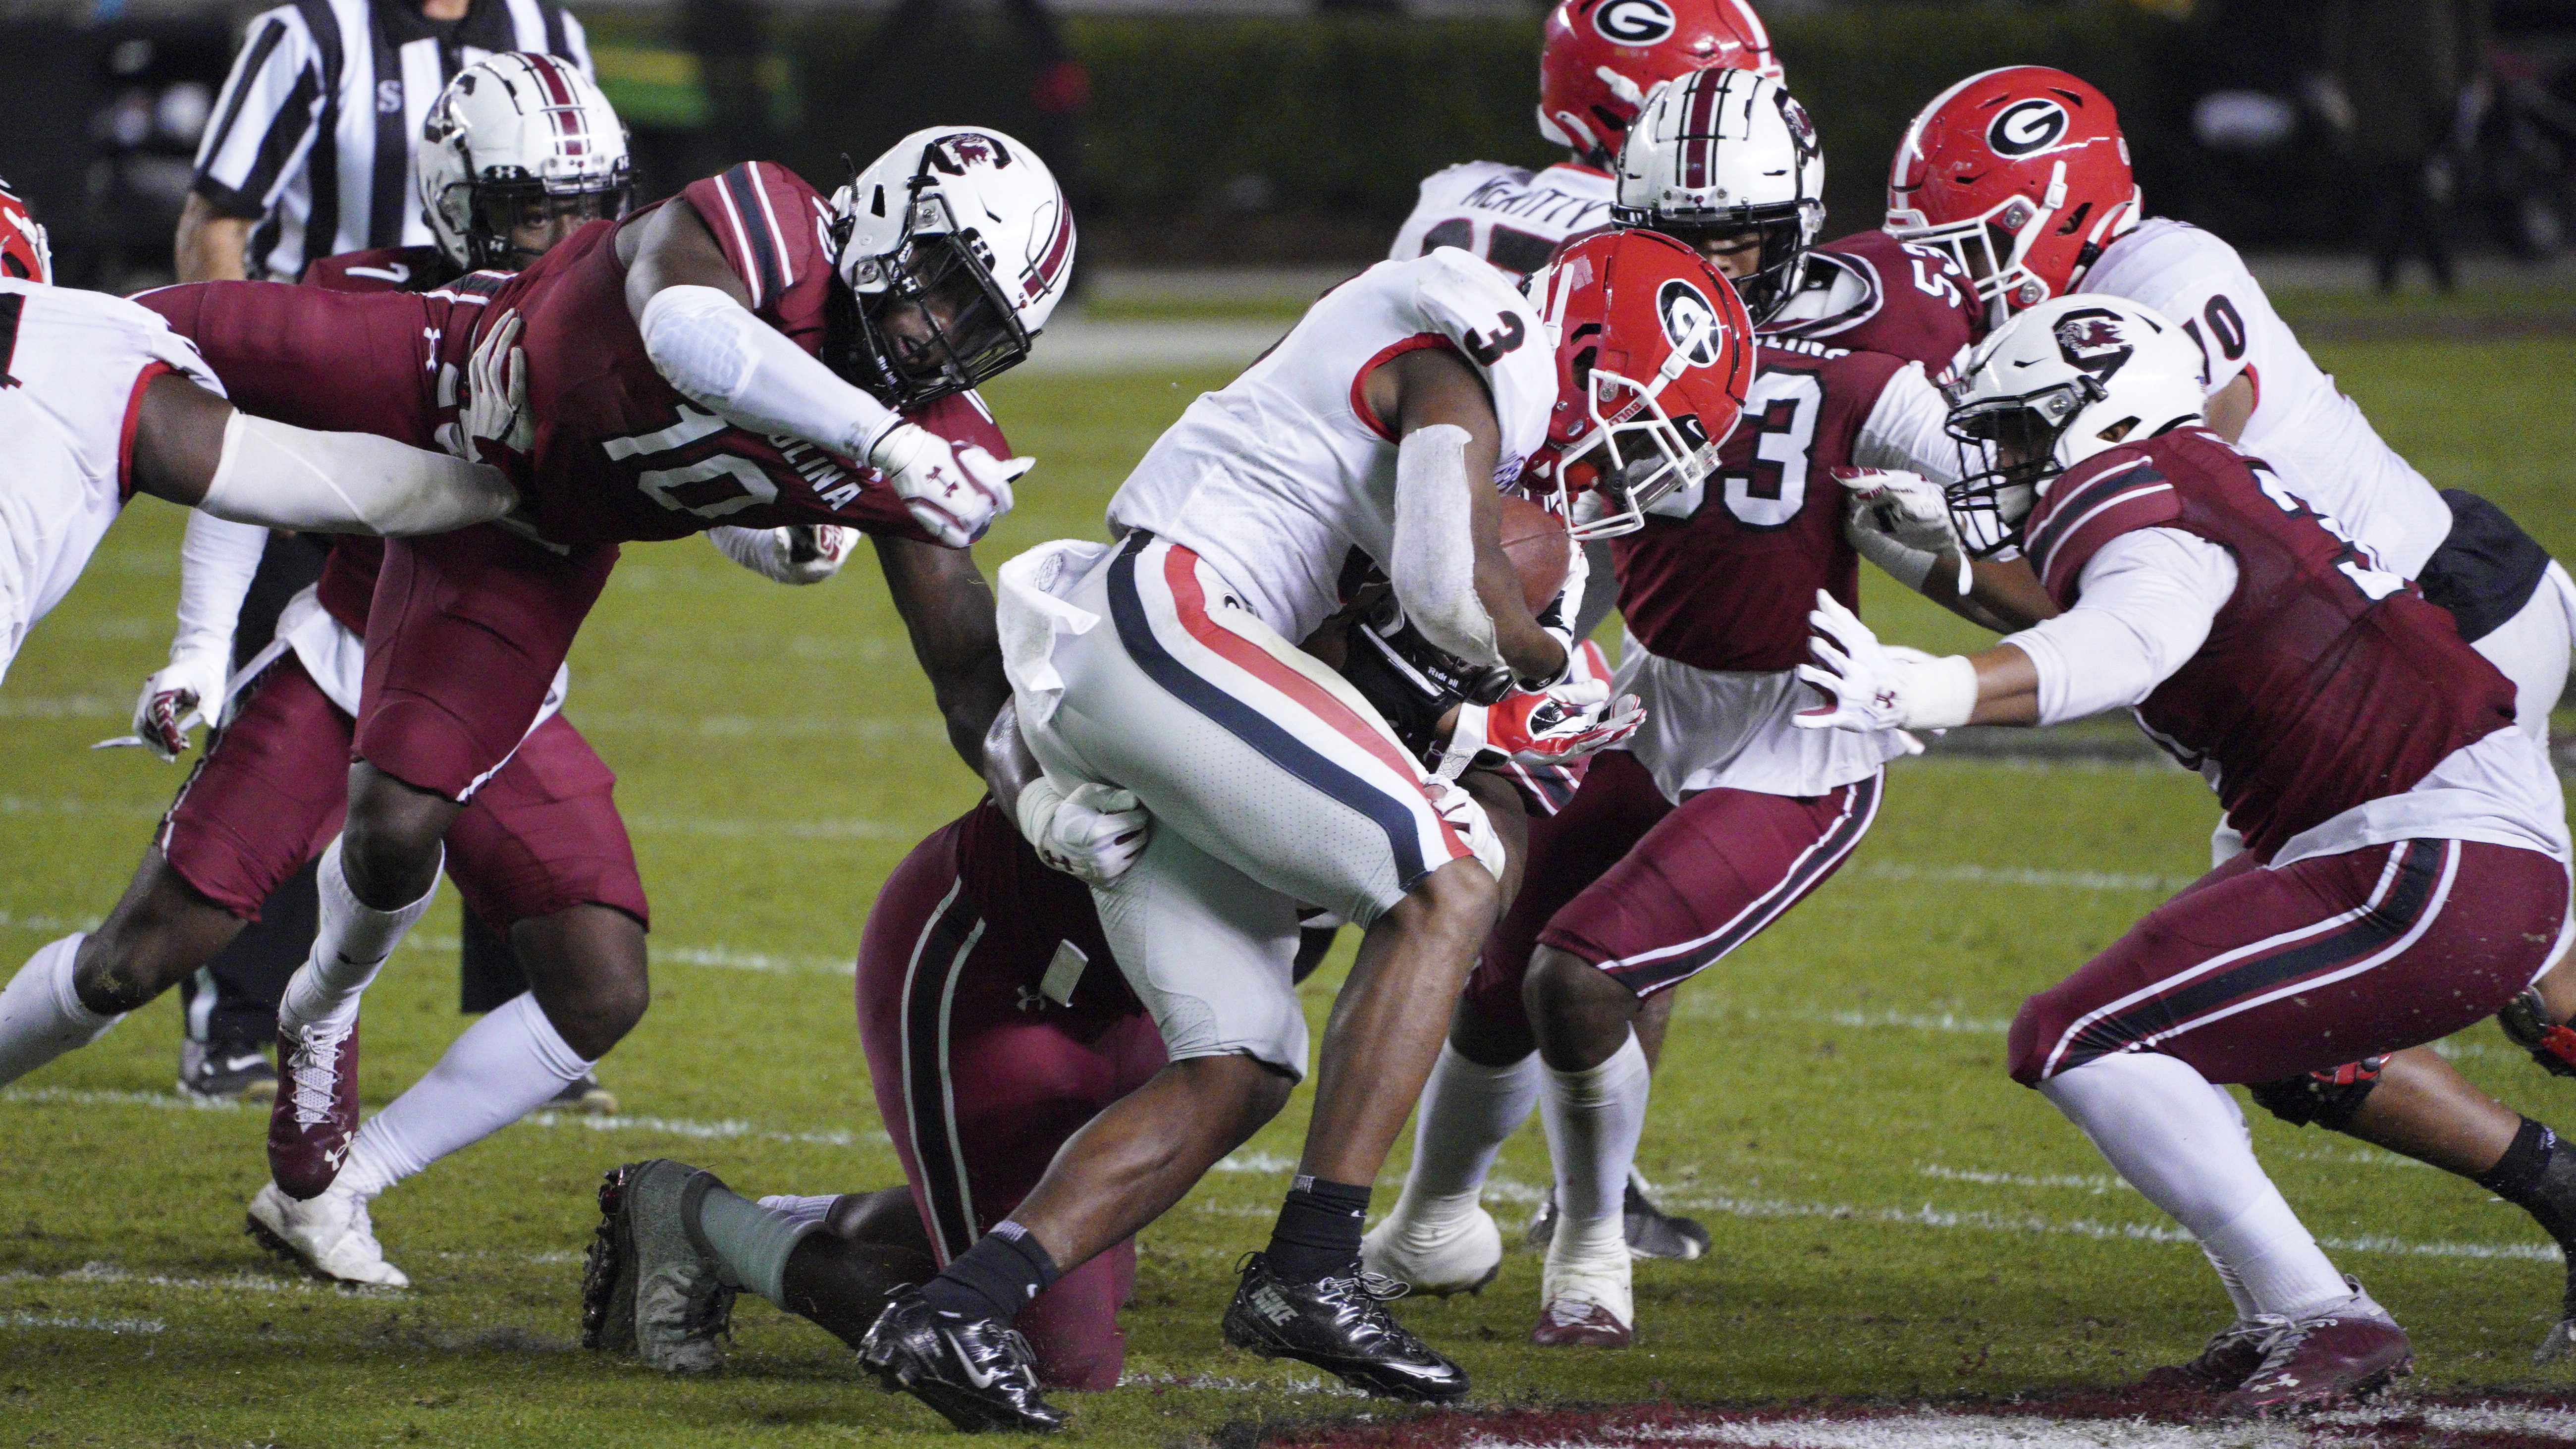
point(1782, 412)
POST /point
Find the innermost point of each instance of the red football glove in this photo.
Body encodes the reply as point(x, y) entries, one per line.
point(1554, 725)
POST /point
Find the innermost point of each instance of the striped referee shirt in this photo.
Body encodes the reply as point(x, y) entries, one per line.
point(313, 131)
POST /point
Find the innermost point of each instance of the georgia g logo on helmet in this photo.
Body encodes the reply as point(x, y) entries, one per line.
point(1690, 322)
point(2091, 341)
point(1633, 22)
point(2026, 126)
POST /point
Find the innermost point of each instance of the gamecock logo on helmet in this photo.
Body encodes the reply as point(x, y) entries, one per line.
point(2026, 126)
point(969, 148)
point(1633, 22)
point(2091, 340)
point(1690, 322)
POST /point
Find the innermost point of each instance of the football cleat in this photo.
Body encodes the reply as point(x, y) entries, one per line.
point(328, 1235)
point(316, 1111)
point(2224, 1363)
point(1341, 1326)
point(1652, 1233)
point(1586, 1304)
point(977, 1373)
point(647, 1288)
point(584, 1094)
point(2348, 1352)
point(225, 1071)
point(1460, 1259)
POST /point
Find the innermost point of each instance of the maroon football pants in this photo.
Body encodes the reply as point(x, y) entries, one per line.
point(2253, 974)
point(1654, 893)
point(980, 1080)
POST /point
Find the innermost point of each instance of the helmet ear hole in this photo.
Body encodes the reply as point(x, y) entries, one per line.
point(2118, 431)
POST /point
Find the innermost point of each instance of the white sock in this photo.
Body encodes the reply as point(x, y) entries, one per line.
point(1468, 1109)
point(801, 1209)
point(2182, 1142)
point(349, 948)
point(1594, 1119)
point(503, 1067)
point(41, 1017)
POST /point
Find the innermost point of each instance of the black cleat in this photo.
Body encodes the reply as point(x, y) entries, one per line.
point(608, 1271)
point(226, 1071)
point(1652, 1233)
point(978, 1374)
point(1341, 1326)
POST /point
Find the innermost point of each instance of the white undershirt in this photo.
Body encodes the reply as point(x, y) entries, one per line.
point(2147, 600)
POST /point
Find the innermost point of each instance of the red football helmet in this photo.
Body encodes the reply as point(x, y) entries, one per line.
point(2022, 176)
point(1600, 57)
point(1654, 354)
point(23, 252)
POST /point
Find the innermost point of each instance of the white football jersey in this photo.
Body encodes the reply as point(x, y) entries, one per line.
point(1510, 217)
point(72, 369)
point(2312, 435)
point(1276, 477)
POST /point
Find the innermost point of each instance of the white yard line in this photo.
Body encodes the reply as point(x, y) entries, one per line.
point(1939, 1429)
point(2080, 880)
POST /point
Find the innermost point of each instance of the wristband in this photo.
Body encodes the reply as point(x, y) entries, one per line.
point(1940, 693)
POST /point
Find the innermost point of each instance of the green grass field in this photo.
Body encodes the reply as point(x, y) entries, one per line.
point(1892, 1216)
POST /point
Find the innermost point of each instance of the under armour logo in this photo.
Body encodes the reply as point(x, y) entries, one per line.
point(1884, 699)
point(1031, 999)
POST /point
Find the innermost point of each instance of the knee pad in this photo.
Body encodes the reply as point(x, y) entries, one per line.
point(2328, 1099)
point(2552, 1044)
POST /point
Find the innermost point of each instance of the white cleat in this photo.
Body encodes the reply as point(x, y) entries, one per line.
point(1459, 1257)
point(1586, 1298)
point(328, 1236)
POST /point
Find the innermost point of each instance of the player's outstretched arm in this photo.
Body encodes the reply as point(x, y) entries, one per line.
point(195, 449)
point(217, 561)
point(947, 608)
point(1450, 572)
point(694, 315)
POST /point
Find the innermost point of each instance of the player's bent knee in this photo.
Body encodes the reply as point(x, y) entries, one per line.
point(157, 936)
point(587, 966)
point(390, 845)
point(1461, 897)
point(2327, 1099)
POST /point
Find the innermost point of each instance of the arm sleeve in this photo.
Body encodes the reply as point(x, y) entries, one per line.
point(217, 561)
point(727, 360)
point(1433, 563)
point(2149, 597)
point(265, 118)
point(1908, 428)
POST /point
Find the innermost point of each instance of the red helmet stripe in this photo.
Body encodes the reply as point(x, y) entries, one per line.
point(1699, 128)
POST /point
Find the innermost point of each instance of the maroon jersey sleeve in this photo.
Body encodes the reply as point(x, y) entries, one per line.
point(2090, 504)
point(775, 233)
point(379, 269)
point(1729, 586)
point(1903, 300)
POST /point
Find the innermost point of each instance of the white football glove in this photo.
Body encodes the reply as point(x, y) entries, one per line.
point(1869, 686)
point(800, 553)
point(1093, 833)
point(954, 493)
point(496, 399)
point(1468, 818)
point(186, 691)
point(1908, 510)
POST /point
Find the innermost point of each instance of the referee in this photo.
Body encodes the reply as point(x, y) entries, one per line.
point(309, 156)
point(310, 151)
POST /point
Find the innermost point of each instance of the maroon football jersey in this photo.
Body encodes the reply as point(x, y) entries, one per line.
point(1030, 909)
point(1904, 300)
point(380, 269)
point(620, 455)
point(1730, 587)
point(2325, 683)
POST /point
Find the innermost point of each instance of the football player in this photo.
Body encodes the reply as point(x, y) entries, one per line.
point(99, 401)
point(539, 852)
point(996, 1026)
point(723, 358)
point(2405, 863)
point(2022, 175)
point(1160, 665)
point(1718, 816)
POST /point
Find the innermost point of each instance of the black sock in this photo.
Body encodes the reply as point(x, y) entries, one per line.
point(2536, 1177)
point(996, 1278)
point(1318, 1235)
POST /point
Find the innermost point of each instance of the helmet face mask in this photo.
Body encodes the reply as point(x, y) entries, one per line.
point(516, 222)
point(1636, 455)
point(932, 320)
point(2008, 448)
point(1781, 242)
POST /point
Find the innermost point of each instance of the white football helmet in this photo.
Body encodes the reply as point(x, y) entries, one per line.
point(517, 139)
point(2069, 378)
point(970, 229)
point(1719, 153)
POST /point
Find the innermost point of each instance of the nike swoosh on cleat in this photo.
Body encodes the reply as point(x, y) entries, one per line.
point(978, 1378)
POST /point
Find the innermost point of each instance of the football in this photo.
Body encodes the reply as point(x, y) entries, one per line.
point(1534, 540)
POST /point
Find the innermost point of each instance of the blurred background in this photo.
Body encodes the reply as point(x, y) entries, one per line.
point(1292, 133)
